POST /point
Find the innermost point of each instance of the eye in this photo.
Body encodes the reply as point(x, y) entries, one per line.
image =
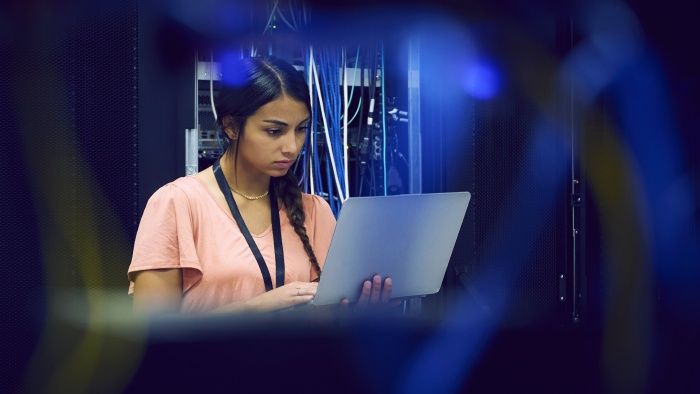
point(303, 129)
point(273, 131)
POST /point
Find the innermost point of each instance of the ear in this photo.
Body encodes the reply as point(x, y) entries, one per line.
point(230, 127)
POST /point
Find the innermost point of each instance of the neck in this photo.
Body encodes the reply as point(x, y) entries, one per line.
point(243, 180)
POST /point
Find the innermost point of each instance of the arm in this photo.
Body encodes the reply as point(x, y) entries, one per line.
point(282, 297)
point(161, 245)
point(158, 291)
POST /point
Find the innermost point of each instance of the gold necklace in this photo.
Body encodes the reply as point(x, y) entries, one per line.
point(249, 197)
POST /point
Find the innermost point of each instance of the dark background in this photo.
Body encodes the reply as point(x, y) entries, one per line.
point(96, 96)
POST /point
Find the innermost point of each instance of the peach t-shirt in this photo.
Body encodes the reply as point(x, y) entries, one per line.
point(184, 227)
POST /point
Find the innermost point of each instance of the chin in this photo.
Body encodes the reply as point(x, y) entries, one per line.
point(278, 173)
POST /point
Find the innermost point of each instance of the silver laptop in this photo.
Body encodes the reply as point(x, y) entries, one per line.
point(408, 238)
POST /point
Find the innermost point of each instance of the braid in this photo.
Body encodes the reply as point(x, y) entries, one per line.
point(287, 189)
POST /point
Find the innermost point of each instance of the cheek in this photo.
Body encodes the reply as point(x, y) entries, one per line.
point(301, 137)
point(255, 149)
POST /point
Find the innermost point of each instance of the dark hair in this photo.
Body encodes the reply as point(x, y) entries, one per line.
point(252, 83)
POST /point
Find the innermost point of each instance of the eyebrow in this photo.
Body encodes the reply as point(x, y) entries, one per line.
point(280, 123)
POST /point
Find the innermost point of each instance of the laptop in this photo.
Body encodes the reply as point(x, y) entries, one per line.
point(408, 238)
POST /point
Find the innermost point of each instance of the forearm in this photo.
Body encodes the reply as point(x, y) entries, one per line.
point(245, 306)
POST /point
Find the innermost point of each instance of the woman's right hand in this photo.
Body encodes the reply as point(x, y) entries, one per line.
point(288, 295)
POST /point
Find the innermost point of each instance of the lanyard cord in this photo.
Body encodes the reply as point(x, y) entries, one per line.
point(276, 232)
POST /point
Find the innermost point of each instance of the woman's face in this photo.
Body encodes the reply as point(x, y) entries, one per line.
point(273, 137)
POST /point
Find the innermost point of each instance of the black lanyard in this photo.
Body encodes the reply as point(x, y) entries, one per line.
point(276, 233)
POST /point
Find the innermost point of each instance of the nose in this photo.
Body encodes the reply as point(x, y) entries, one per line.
point(289, 144)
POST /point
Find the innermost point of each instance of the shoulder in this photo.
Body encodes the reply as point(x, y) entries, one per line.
point(186, 183)
point(317, 208)
point(178, 201)
point(181, 189)
point(312, 201)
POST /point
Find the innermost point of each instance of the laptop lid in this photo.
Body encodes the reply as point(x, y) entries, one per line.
point(408, 238)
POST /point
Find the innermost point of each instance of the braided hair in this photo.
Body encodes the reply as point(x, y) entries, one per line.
point(254, 83)
point(287, 188)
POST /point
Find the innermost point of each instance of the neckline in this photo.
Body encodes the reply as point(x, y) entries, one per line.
point(227, 212)
point(225, 188)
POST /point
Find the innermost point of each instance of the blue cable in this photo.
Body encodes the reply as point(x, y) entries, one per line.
point(308, 132)
point(352, 91)
point(315, 166)
point(357, 111)
point(319, 178)
point(330, 189)
point(338, 108)
point(329, 65)
point(318, 182)
point(330, 112)
point(339, 135)
point(383, 118)
point(302, 156)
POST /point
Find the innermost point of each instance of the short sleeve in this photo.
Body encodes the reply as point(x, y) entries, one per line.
point(165, 238)
point(323, 226)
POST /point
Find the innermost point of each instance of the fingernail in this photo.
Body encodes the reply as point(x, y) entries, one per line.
point(387, 281)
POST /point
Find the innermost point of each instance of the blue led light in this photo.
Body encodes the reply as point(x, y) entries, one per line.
point(230, 74)
point(481, 80)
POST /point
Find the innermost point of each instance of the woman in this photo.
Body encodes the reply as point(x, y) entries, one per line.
point(240, 235)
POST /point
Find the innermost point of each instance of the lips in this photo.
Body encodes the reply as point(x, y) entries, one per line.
point(284, 163)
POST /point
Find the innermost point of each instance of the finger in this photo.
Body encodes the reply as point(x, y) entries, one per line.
point(311, 288)
point(345, 303)
point(386, 291)
point(310, 291)
point(304, 290)
point(295, 299)
point(301, 299)
point(364, 296)
point(376, 289)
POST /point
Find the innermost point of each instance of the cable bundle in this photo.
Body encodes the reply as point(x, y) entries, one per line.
point(326, 154)
point(324, 77)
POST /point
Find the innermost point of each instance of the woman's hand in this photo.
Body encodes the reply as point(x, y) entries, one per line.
point(283, 297)
point(373, 293)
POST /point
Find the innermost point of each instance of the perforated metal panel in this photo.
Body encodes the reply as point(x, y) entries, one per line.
point(105, 103)
point(69, 112)
point(513, 204)
point(21, 298)
point(512, 246)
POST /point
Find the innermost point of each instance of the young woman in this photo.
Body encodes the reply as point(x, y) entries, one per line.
point(240, 235)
